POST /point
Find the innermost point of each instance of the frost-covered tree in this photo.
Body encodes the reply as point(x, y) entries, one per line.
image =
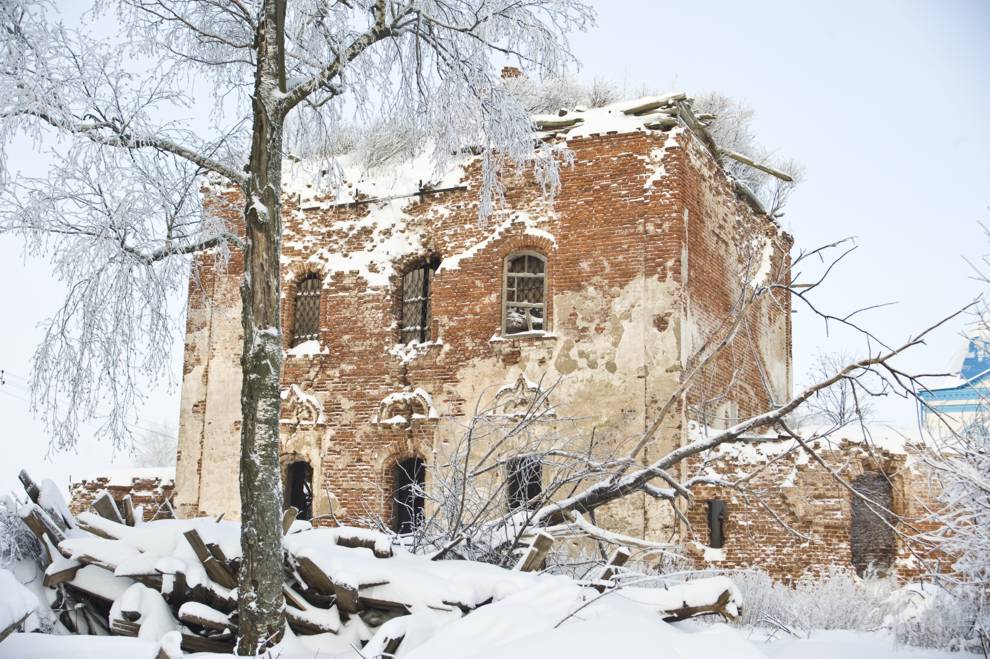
point(963, 472)
point(155, 446)
point(841, 403)
point(120, 210)
point(730, 123)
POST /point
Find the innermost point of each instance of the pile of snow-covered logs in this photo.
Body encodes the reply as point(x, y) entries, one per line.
point(109, 572)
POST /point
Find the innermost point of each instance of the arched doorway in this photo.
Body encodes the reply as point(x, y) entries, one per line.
point(299, 488)
point(409, 481)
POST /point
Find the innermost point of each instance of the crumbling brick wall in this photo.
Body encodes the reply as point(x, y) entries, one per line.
point(793, 516)
point(619, 241)
point(153, 492)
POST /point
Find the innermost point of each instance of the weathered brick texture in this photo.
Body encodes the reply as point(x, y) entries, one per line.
point(153, 493)
point(647, 245)
point(795, 516)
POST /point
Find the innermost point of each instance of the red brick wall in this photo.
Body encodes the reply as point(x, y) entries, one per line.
point(794, 516)
point(152, 493)
point(616, 246)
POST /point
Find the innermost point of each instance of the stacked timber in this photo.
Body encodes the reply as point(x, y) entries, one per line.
point(112, 573)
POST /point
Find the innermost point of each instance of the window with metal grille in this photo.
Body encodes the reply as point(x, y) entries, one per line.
point(524, 482)
point(524, 307)
point(416, 314)
point(307, 312)
point(408, 497)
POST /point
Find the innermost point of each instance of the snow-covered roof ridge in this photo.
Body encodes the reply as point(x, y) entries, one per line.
point(628, 116)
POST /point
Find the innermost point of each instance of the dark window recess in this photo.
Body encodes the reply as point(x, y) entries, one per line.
point(307, 315)
point(416, 314)
point(410, 483)
point(299, 488)
point(716, 523)
point(872, 540)
point(525, 292)
point(525, 482)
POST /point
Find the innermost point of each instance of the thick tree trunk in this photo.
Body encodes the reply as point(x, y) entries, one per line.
point(261, 620)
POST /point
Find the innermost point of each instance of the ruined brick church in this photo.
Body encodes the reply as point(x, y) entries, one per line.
point(404, 317)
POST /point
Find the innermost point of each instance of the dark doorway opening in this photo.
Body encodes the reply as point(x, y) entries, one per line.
point(872, 540)
point(716, 523)
point(299, 488)
point(408, 501)
point(525, 475)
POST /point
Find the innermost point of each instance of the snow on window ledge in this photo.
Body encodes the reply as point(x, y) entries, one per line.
point(307, 349)
point(537, 335)
point(407, 352)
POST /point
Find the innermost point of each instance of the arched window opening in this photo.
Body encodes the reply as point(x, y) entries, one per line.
point(299, 488)
point(524, 294)
point(416, 312)
point(407, 499)
point(306, 325)
point(524, 482)
point(872, 540)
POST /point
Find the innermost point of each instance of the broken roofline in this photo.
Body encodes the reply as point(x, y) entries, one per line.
point(663, 113)
point(653, 113)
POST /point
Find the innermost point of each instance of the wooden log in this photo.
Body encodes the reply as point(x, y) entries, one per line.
point(536, 554)
point(388, 605)
point(650, 104)
point(32, 489)
point(546, 122)
point(34, 493)
point(314, 577)
point(14, 626)
point(763, 167)
point(292, 598)
point(152, 581)
point(354, 542)
point(197, 544)
point(617, 560)
point(218, 553)
point(194, 643)
point(128, 510)
point(288, 517)
point(97, 531)
point(347, 597)
point(207, 623)
point(718, 607)
point(216, 570)
point(106, 507)
point(41, 524)
point(306, 626)
point(391, 645)
point(120, 627)
point(65, 574)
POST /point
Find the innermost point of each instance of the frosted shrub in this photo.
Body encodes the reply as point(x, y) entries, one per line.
point(16, 540)
point(927, 615)
point(836, 599)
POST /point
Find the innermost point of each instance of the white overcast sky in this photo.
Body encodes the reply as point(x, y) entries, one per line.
point(885, 102)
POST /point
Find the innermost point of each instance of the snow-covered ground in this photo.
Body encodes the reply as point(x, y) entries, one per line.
point(599, 638)
point(843, 644)
point(450, 609)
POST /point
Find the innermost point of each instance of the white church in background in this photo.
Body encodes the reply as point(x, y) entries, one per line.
point(961, 399)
